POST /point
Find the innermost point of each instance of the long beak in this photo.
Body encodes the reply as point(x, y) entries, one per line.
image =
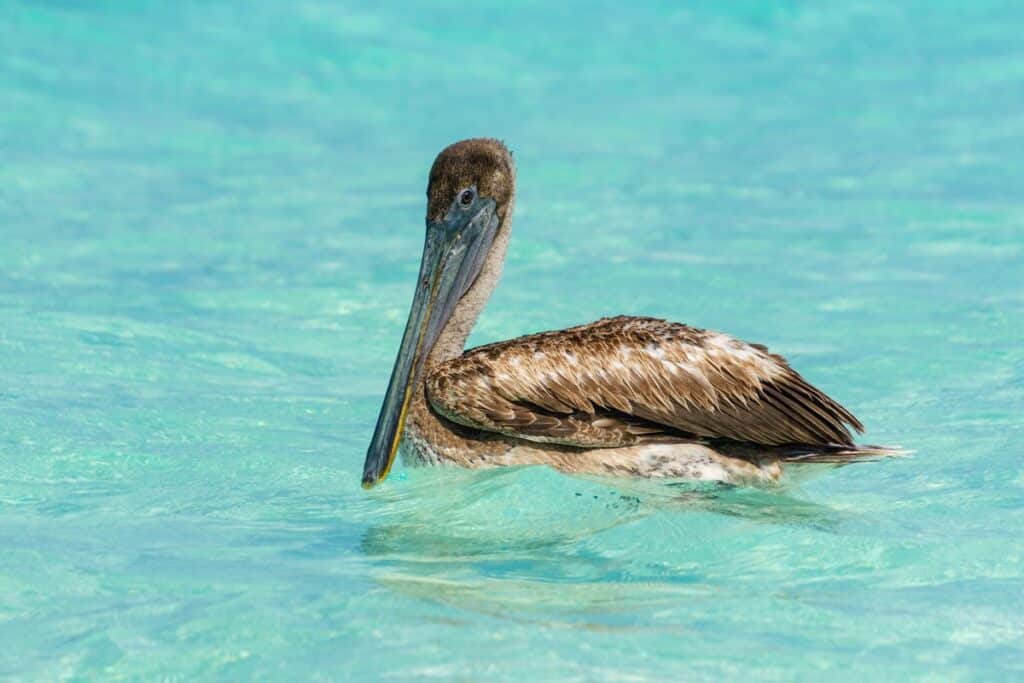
point(453, 255)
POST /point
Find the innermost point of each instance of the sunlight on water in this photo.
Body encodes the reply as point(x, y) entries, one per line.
point(212, 217)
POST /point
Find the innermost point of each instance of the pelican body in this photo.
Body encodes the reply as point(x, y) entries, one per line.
point(623, 396)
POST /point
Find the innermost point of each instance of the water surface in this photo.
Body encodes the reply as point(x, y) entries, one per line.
point(211, 220)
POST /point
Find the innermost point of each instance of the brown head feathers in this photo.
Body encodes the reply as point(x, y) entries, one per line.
point(482, 162)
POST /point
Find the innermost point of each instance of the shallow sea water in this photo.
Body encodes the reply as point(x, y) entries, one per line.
point(211, 218)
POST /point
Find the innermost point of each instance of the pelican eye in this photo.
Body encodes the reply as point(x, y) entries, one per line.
point(466, 198)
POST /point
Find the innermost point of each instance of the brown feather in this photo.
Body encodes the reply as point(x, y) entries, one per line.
point(615, 381)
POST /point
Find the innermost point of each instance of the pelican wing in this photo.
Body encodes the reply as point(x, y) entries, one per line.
point(621, 380)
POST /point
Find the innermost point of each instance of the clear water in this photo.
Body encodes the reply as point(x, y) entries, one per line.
point(211, 217)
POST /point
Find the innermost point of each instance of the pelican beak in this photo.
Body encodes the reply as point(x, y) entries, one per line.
point(453, 255)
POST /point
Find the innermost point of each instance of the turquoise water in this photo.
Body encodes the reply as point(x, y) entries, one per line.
point(211, 221)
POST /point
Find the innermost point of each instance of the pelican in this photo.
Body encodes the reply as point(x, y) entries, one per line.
point(623, 396)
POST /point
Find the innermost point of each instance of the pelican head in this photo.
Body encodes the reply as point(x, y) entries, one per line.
point(468, 199)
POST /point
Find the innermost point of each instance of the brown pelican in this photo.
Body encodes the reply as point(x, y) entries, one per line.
point(622, 396)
